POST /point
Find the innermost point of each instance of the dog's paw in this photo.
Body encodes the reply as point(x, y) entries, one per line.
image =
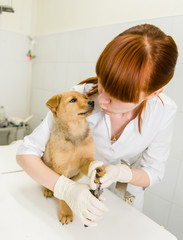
point(66, 218)
point(48, 193)
point(100, 172)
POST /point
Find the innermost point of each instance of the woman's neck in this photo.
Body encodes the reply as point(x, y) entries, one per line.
point(128, 116)
point(119, 122)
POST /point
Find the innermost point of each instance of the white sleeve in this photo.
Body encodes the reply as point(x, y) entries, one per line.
point(155, 156)
point(35, 143)
point(83, 88)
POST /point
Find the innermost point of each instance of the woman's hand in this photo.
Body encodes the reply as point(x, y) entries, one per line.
point(114, 173)
point(92, 173)
point(78, 197)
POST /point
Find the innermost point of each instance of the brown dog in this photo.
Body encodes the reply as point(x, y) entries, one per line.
point(70, 149)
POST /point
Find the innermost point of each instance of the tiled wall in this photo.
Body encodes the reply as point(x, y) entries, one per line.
point(64, 59)
point(13, 73)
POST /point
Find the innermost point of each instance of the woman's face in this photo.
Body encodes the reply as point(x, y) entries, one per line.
point(111, 105)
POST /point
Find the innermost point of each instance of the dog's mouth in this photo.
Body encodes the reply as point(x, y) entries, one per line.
point(89, 111)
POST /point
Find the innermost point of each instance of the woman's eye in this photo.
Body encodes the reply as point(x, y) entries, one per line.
point(73, 100)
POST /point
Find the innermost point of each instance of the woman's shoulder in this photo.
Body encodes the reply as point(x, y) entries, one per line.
point(167, 100)
point(161, 108)
point(164, 102)
point(82, 88)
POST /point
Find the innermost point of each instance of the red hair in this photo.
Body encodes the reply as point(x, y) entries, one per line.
point(142, 58)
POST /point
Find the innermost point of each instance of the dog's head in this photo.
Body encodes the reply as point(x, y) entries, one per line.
point(70, 106)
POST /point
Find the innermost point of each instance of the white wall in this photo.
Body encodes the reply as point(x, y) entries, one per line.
point(21, 20)
point(14, 45)
point(63, 15)
point(13, 77)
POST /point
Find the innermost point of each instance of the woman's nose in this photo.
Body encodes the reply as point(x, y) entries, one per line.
point(103, 99)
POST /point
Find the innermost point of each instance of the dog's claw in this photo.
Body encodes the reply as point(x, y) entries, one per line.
point(100, 172)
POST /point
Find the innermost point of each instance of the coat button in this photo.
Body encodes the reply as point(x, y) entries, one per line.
point(111, 149)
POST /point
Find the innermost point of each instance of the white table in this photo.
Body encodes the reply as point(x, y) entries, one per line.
point(8, 157)
point(25, 214)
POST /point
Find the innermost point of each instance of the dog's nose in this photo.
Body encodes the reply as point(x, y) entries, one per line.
point(91, 103)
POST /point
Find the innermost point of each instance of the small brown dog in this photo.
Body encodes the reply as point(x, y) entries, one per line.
point(70, 148)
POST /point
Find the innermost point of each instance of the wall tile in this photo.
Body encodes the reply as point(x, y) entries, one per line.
point(61, 77)
point(177, 139)
point(70, 46)
point(12, 74)
point(178, 35)
point(97, 39)
point(18, 47)
point(76, 43)
point(175, 221)
point(178, 195)
point(93, 45)
point(46, 48)
point(14, 71)
point(37, 74)
point(14, 101)
point(170, 88)
point(166, 188)
point(44, 75)
point(78, 72)
point(152, 206)
point(13, 46)
point(176, 86)
point(38, 105)
point(63, 48)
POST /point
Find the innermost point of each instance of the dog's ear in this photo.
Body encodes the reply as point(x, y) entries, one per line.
point(53, 103)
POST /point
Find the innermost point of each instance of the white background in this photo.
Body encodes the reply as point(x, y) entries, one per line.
point(70, 38)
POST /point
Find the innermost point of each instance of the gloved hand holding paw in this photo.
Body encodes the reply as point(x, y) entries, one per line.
point(113, 173)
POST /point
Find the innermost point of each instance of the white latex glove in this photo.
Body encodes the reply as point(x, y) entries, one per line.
point(78, 197)
point(114, 173)
point(92, 172)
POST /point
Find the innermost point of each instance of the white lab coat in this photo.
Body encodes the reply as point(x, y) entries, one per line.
point(148, 150)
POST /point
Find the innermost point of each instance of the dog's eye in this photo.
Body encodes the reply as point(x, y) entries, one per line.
point(73, 100)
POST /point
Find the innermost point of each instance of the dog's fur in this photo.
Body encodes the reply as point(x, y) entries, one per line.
point(70, 148)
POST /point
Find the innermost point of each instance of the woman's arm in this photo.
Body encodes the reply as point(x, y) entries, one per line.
point(119, 173)
point(37, 170)
point(140, 178)
point(87, 208)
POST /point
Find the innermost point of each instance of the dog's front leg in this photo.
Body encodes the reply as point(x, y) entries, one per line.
point(100, 171)
point(77, 177)
point(85, 166)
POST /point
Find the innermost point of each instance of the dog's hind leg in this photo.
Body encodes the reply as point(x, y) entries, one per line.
point(66, 215)
point(48, 193)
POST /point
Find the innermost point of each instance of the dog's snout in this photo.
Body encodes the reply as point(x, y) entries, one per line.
point(91, 103)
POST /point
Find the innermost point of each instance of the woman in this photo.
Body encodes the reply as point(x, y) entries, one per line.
point(133, 121)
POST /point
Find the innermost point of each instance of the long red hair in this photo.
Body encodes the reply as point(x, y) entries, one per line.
point(142, 58)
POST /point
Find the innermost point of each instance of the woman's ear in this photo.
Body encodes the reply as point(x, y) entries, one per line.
point(154, 94)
